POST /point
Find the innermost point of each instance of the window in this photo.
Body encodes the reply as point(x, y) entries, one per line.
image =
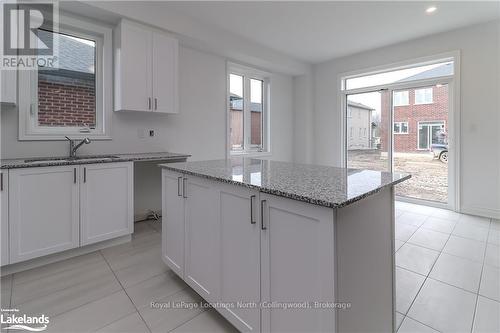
point(401, 98)
point(423, 96)
point(400, 127)
point(248, 110)
point(74, 98)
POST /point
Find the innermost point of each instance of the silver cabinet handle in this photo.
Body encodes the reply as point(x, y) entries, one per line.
point(156, 103)
point(149, 103)
point(179, 194)
point(84, 175)
point(252, 197)
point(262, 223)
point(184, 192)
point(1, 181)
point(74, 175)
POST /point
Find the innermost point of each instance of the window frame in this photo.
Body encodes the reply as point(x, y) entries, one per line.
point(28, 98)
point(425, 101)
point(400, 127)
point(407, 98)
point(249, 73)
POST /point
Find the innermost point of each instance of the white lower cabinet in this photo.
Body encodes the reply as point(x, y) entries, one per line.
point(56, 208)
point(297, 265)
point(244, 249)
point(43, 211)
point(106, 201)
point(4, 216)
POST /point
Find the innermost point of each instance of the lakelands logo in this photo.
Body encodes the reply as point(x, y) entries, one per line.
point(16, 321)
point(22, 44)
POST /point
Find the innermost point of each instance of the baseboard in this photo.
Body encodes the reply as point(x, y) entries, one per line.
point(481, 211)
point(37, 262)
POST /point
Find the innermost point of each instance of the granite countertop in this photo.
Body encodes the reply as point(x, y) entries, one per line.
point(89, 159)
point(320, 185)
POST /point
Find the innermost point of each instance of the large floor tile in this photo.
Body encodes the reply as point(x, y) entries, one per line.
point(404, 231)
point(411, 218)
point(73, 297)
point(494, 237)
point(475, 220)
point(35, 274)
point(487, 316)
point(457, 271)
point(446, 214)
point(412, 326)
point(471, 231)
point(490, 282)
point(155, 288)
point(133, 258)
point(171, 314)
point(419, 209)
point(94, 315)
point(48, 284)
point(444, 307)
point(407, 286)
point(416, 258)
point(132, 323)
point(398, 244)
point(430, 239)
point(492, 256)
point(155, 225)
point(495, 224)
point(130, 248)
point(399, 319)
point(465, 248)
point(208, 321)
point(147, 268)
point(439, 224)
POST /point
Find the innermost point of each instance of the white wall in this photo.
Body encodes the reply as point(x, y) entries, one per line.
point(199, 129)
point(480, 106)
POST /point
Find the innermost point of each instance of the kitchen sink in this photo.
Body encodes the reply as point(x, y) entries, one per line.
point(72, 159)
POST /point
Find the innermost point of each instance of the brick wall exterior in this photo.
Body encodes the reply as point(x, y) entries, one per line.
point(65, 101)
point(413, 114)
point(236, 118)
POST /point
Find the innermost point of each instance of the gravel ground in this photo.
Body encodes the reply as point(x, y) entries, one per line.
point(429, 176)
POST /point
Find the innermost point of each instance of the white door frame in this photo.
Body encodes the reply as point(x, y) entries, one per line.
point(453, 82)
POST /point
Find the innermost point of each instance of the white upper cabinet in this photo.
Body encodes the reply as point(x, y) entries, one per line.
point(146, 69)
point(106, 201)
point(8, 84)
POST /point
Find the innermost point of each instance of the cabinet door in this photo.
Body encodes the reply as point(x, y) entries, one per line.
point(165, 76)
point(106, 198)
point(240, 256)
point(133, 57)
point(297, 264)
point(202, 271)
point(8, 84)
point(43, 211)
point(172, 226)
point(4, 216)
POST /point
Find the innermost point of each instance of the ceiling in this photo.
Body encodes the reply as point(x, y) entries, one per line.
point(318, 31)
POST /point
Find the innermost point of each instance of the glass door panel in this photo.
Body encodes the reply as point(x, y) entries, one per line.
point(367, 131)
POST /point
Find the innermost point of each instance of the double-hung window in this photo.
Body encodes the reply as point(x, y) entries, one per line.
point(423, 96)
point(74, 97)
point(248, 108)
point(401, 98)
point(400, 127)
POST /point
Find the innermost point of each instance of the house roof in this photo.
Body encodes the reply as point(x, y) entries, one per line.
point(237, 104)
point(443, 70)
point(360, 106)
point(74, 55)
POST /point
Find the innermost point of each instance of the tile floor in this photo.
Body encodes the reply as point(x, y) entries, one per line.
point(447, 280)
point(447, 271)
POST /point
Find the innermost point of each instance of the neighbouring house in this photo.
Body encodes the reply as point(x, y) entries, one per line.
point(360, 128)
point(237, 122)
point(420, 114)
point(66, 95)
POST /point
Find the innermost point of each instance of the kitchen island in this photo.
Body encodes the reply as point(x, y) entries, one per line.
point(282, 247)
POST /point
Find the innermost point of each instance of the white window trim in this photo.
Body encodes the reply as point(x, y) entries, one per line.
point(400, 123)
point(248, 150)
point(425, 102)
point(28, 94)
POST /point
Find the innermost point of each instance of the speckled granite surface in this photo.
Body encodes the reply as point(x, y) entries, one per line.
point(90, 159)
point(320, 185)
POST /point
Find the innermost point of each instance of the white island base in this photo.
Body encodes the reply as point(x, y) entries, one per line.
point(253, 253)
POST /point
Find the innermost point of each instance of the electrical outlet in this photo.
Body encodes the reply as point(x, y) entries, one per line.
point(151, 132)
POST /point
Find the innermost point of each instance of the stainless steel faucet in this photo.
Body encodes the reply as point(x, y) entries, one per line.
point(73, 146)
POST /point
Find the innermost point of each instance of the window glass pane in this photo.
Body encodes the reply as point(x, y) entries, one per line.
point(236, 111)
point(401, 98)
point(423, 96)
point(401, 75)
point(256, 108)
point(66, 96)
point(404, 127)
point(396, 127)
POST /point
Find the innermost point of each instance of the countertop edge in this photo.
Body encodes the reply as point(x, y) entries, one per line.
point(288, 195)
